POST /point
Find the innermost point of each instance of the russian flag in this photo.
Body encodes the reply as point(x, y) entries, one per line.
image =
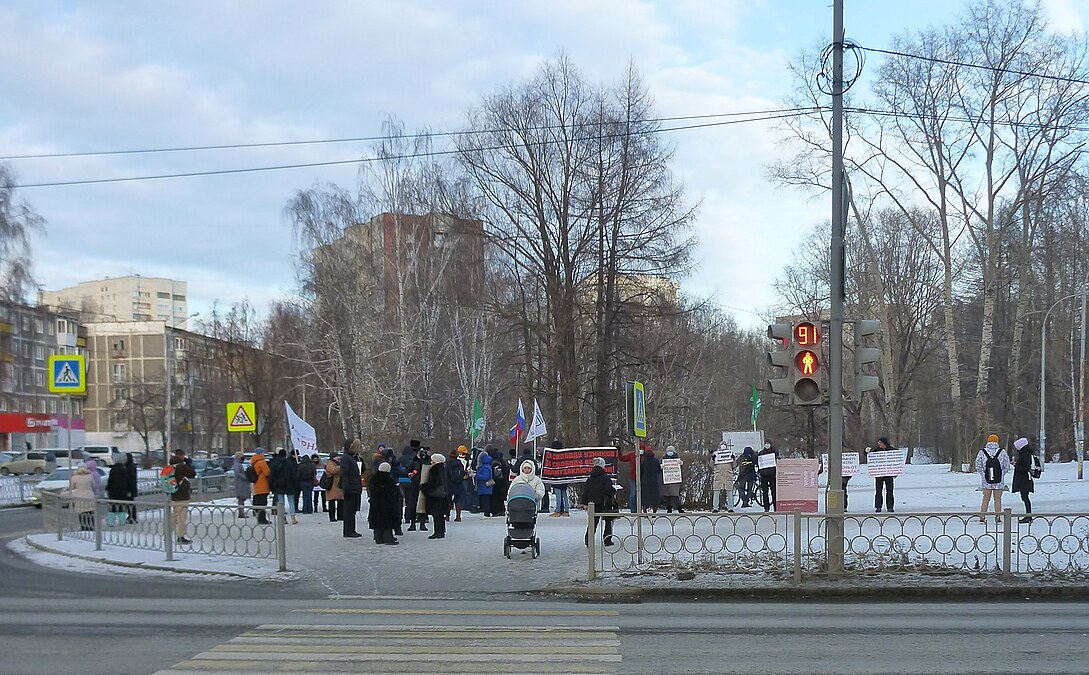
point(520, 424)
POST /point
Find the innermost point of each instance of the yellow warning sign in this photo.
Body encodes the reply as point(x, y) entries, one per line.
point(241, 416)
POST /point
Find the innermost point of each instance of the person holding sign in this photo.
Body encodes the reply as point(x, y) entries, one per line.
point(746, 476)
point(722, 478)
point(766, 461)
point(992, 465)
point(671, 480)
point(884, 483)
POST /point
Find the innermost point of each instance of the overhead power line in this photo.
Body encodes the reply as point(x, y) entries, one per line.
point(979, 66)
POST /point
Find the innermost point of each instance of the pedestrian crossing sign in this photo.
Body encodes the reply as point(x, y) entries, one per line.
point(241, 416)
point(67, 374)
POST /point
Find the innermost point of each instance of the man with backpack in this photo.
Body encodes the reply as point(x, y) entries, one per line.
point(992, 465)
point(1025, 469)
point(179, 499)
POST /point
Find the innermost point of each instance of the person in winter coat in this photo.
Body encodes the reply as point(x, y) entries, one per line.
point(767, 478)
point(746, 476)
point(334, 496)
point(283, 477)
point(671, 492)
point(383, 515)
point(455, 481)
point(600, 492)
point(96, 480)
point(722, 479)
point(242, 484)
point(485, 484)
point(631, 457)
point(1022, 476)
point(351, 482)
point(413, 516)
point(436, 495)
point(261, 488)
point(81, 487)
point(133, 485)
point(400, 480)
point(376, 459)
point(992, 489)
point(884, 482)
point(651, 474)
point(527, 473)
point(179, 501)
point(562, 507)
point(501, 476)
point(307, 473)
point(117, 488)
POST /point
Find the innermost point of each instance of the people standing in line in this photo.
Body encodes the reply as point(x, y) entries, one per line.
point(884, 483)
point(722, 478)
point(767, 478)
point(746, 476)
point(992, 465)
point(307, 473)
point(133, 485)
point(501, 476)
point(283, 477)
point(436, 495)
point(351, 482)
point(179, 501)
point(1022, 476)
point(455, 481)
point(242, 485)
point(415, 516)
point(334, 495)
point(261, 488)
point(527, 473)
point(631, 457)
point(651, 473)
point(485, 484)
point(671, 492)
point(382, 514)
point(562, 507)
point(600, 492)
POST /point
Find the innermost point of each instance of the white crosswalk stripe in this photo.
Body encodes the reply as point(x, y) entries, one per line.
point(276, 648)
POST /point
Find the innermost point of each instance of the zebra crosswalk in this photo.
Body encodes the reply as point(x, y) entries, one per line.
point(369, 648)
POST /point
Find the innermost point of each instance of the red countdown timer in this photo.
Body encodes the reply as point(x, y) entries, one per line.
point(806, 335)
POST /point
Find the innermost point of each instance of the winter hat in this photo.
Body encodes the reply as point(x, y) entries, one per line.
point(1020, 443)
point(437, 458)
point(670, 448)
point(884, 440)
point(462, 450)
point(384, 467)
point(993, 438)
point(599, 461)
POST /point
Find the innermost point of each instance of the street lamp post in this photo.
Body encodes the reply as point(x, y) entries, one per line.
point(1043, 376)
point(1079, 417)
point(168, 375)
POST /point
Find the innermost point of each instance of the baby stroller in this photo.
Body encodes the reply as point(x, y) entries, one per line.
point(521, 520)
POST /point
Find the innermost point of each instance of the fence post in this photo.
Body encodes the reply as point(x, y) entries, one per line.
point(797, 546)
point(98, 524)
point(22, 489)
point(281, 533)
point(1007, 538)
point(591, 541)
point(168, 532)
point(59, 501)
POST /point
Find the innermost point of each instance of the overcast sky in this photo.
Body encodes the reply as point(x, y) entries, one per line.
point(94, 76)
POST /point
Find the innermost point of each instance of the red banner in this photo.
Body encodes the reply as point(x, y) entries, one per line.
point(572, 465)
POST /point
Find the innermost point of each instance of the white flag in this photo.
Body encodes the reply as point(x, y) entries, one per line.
point(303, 436)
point(537, 428)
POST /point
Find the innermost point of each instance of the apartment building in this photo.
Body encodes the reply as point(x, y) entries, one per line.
point(131, 298)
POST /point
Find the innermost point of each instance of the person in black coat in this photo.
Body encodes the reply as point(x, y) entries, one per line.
point(1022, 476)
point(307, 472)
point(651, 474)
point(383, 515)
point(599, 491)
point(767, 478)
point(436, 495)
point(746, 475)
point(351, 482)
point(412, 493)
point(117, 488)
point(134, 488)
point(501, 476)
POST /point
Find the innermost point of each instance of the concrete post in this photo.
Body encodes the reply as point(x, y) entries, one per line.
point(797, 546)
point(281, 534)
point(168, 532)
point(591, 541)
point(98, 524)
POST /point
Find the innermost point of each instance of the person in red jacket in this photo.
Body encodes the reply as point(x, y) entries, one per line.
point(631, 458)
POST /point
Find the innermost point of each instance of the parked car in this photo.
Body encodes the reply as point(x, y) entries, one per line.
point(56, 482)
point(35, 462)
point(64, 459)
point(103, 454)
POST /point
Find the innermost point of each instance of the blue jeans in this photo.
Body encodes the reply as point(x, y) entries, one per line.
point(288, 501)
point(562, 502)
point(631, 497)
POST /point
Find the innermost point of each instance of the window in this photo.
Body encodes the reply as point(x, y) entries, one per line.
point(51, 329)
point(118, 372)
point(62, 326)
point(78, 411)
point(3, 404)
point(179, 298)
point(38, 326)
point(39, 353)
point(53, 406)
point(162, 296)
point(39, 380)
point(28, 407)
point(120, 393)
point(41, 406)
point(118, 345)
point(26, 349)
point(26, 323)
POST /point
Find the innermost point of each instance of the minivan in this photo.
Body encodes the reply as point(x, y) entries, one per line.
point(103, 454)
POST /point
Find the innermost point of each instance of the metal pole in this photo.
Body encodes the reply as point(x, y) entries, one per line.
point(591, 541)
point(1079, 423)
point(168, 375)
point(834, 493)
point(638, 500)
point(168, 532)
point(68, 405)
point(281, 533)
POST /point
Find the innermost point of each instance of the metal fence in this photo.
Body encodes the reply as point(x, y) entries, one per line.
point(15, 490)
point(795, 544)
point(210, 529)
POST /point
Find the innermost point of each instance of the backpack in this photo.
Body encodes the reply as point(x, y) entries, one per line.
point(992, 470)
point(1036, 469)
point(168, 480)
point(251, 474)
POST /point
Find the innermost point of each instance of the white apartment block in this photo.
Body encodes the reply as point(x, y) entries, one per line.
point(131, 298)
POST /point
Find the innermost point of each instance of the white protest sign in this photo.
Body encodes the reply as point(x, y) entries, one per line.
point(303, 436)
point(671, 471)
point(766, 461)
point(881, 463)
point(724, 456)
point(849, 463)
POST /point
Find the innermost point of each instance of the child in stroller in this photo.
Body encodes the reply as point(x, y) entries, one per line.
point(521, 519)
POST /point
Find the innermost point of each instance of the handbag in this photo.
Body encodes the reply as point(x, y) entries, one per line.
point(326, 481)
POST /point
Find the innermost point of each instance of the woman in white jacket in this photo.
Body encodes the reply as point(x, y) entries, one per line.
point(527, 473)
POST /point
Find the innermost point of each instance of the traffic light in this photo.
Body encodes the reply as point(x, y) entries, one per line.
point(865, 355)
point(781, 358)
point(807, 365)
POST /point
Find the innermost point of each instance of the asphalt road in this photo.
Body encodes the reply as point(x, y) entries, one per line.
point(62, 622)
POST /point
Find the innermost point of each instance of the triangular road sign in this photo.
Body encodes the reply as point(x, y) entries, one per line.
point(241, 419)
point(241, 416)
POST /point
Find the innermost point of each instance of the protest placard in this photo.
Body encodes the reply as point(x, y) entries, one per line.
point(766, 461)
point(572, 465)
point(849, 463)
point(882, 463)
point(796, 485)
point(671, 471)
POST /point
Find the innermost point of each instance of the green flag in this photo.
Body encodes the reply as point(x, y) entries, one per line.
point(755, 399)
point(477, 427)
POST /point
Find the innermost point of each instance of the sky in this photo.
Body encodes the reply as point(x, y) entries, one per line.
point(127, 75)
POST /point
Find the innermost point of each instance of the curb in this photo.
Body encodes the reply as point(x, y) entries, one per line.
point(137, 565)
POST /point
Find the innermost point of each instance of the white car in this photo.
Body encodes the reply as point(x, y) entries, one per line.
point(56, 482)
